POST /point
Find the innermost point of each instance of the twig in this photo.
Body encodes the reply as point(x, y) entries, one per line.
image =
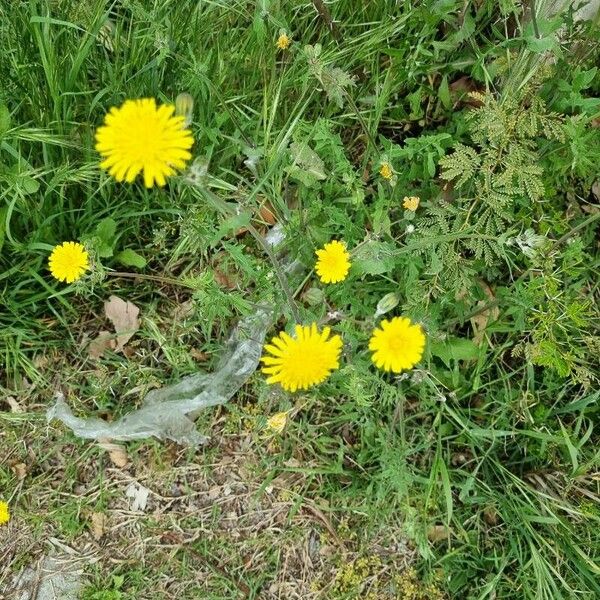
point(167, 280)
point(324, 13)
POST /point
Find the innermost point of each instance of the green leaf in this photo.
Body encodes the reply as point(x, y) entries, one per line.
point(374, 258)
point(307, 166)
point(3, 212)
point(29, 185)
point(454, 348)
point(444, 93)
point(4, 118)
point(231, 225)
point(130, 258)
point(105, 232)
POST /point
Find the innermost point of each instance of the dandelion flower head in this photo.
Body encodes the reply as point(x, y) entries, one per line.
point(386, 170)
point(141, 137)
point(68, 262)
point(283, 41)
point(4, 513)
point(300, 362)
point(397, 345)
point(411, 202)
point(333, 262)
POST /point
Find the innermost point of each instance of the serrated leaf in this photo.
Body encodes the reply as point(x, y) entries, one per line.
point(105, 234)
point(130, 258)
point(106, 230)
point(454, 348)
point(374, 258)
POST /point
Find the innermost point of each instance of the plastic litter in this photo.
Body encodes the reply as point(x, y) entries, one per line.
point(168, 413)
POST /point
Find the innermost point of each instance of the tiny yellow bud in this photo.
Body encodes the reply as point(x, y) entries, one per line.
point(277, 422)
point(387, 303)
point(386, 171)
point(411, 202)
point(283, 41)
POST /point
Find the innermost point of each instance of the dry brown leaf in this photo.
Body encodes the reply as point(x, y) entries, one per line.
point(480, 321)
point(14, 405)
point(267, 214)
point(116, 453)
point(438, 533)
point(124, 316)
point(198, 355)
point(98, 524)
point(104, 341)
point(20, 470)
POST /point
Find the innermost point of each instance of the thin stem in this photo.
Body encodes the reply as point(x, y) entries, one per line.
point(227, 210)
point(536, 29)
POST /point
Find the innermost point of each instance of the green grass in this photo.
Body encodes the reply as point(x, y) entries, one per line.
point(479, 469)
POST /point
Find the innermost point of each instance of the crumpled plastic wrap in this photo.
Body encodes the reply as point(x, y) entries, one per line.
point(168, 413)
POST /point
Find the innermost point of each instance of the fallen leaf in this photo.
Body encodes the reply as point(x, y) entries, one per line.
point(124, 316)
point(223, 273)
point(138, 496)
point(480, 321)
point(98, 525)
point(198, 355)
point(267, 214)
point(14, 405)
point(116, 453)
point(438, 533)
point(20, 470)
point(104, 341)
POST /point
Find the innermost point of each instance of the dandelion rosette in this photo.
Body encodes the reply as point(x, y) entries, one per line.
point(397, 345)
point(141, 137)
point(68, 262)
point(300, 362)
point(333, 262)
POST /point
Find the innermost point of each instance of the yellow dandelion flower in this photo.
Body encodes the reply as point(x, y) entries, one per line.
point(333, 262)
point(386, 171)
point(277, 422)
point(4, 513)
point(142, 137)
point(300, 362)
point(411, 202)
point(283, 41)
point(397, 345)
point(68, 262)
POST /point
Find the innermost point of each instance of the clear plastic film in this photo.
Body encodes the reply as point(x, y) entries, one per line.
point(168, 413)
